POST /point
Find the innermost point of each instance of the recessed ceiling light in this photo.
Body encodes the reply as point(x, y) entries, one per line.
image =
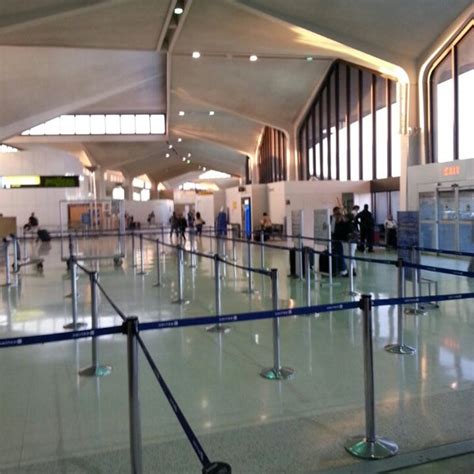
point(167, 155)
point(189, 155)
point(178, 11)
point(180, 140)
point(189, 161)
point(253, 58)
point(184, 158)
point(309, 58)
point(181, 113)
point(196, 54)
point(170, 146)
point(204, 168)
point(211, 112)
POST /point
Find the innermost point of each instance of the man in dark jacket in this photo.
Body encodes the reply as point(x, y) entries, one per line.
point(365, 220)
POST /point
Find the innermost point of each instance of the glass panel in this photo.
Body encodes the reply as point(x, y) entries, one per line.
point(427, 206)
point(428, 235)
point(97, 124)
point(465, 52)
point(381, 128)
point(367, 170)
point(83, 125)
point(342, 128)
point(332, 126)
point(381, 207)
point(157, 123)
point(466, 237)
point(323, 104)
point(52, 127)
point(136, 196)
point(309, 131)
point(67, 124)
point(354, 126)
point(466, 205)
point(142, 123)
point(310, 162)
point(112, 124)
point(446, 236)
point(304, 150)
point(396, 137)
point(395, 203)
point(127, 124)
point(446, 205)
point(442, 90)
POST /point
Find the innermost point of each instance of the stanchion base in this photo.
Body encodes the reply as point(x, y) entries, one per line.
point(415, 311)
point(98, 371)
point(218, 328)
point(381, 448)
point(217, 468)
point(283, 373)
point(353, 293)
point(399, 349)
point(250, 292)
point(180, 301)
point(158, 285)
point(75, 326)
point(141, 273)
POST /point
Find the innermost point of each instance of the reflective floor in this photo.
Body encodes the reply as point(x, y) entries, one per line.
point(53, 420)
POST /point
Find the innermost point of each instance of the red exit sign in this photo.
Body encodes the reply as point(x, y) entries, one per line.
point(451, 171)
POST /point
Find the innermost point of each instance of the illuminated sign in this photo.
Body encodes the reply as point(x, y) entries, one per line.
point(453, 170)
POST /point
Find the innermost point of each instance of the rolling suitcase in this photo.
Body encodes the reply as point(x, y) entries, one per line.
point(43, 235)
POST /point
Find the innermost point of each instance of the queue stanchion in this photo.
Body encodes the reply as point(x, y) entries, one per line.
point(262, 250)
point(163, 239)
point(8, 278)
point(308, 274)
point(16, 257)
point(415, 276)
point(218, 327)
point(352, 291)
point(142, 255)
point(400, 347)
point(133, 249)
point(95, 370)
point(234, 249)
point(277, 372)
point(192, 242)
point(211, 238)
point(300, 257)
point(369, 446)
point(330, 261)
point(158, 264)
point(180, 265)
point(130, 328)
point(249, 289)
point(73, 277)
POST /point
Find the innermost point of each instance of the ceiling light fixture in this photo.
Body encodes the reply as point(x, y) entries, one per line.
point(189, 161)
point(211, 112)
point(180, 140)
point(184, 158)
point(170, 146)
point(167, 155)
point(178, 11)
point(204, 168)
point(181, 113)
point(309, 58)
point(196, 54)
point(189, 155)
point(253, 57)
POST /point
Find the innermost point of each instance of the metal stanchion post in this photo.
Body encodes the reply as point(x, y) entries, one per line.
point(351, 292)
point(414, 278)
point(234, 250)
point(192, 239)
point(262, 250)
point(133, 250)
point(307, 262)
point(130, 328)
point(8, 279)
point(218, 327)
point(211, 238)
point(16, 262)
point(142, 257)
point(73, 276)
point(300, 257)
point(95, 370)
point(180, 265)
point(163, 239)
point(158, 264)
point(330, 261)
point(249, 289)
point(370, 446)
point(400, 347)
point(277, 372)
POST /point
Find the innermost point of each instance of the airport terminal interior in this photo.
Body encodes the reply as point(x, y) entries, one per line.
point(237, 236)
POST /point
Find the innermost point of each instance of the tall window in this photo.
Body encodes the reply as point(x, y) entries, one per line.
point(351, 130)
point(451, 99)
point(271, 156)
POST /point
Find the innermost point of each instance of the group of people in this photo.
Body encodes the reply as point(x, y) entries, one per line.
point(178, 224)
point(352, 230)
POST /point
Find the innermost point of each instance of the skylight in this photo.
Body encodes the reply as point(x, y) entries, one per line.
point(7, 149)
point(101, 124)
point(213, 174)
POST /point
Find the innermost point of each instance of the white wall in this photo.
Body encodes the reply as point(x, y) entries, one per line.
point(205, 205)
point(44, 202)
point(259, 204)
point(163, 208)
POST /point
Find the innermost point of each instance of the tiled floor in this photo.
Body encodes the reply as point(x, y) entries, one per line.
point(52, 420)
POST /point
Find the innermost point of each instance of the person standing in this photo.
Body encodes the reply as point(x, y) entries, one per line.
point(199, 224)
point(182, 223)
point(221, 223)
point(173, 225)
point(339, 235)
point(390, 231)
point(266, 226)
point(366, 223)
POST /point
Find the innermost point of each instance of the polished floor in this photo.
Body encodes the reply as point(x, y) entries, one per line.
point(53, 420)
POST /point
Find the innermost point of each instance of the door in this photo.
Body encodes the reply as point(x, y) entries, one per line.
point(247, 217)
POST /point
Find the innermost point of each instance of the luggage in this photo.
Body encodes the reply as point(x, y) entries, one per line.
point(324, 263)
point(43, 235)
point(308, 250)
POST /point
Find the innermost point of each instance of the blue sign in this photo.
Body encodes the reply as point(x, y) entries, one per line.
point(408, 235)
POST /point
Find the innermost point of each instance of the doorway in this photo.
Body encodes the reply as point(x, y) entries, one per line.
point(247, 217)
